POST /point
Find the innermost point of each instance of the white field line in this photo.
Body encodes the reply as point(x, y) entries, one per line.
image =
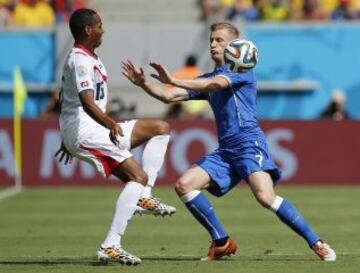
point(9, 192)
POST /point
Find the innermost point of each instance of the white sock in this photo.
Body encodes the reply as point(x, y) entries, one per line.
point(189, 196)
point(276, 204)
point(125, 207)
point(147, 191)
point(153, 159)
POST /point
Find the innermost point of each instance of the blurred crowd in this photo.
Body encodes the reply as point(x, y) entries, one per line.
point(37, 13)
point(46, 13)
point(279, 10)
point(49, 12)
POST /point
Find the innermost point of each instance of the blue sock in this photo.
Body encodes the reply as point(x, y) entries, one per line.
point(291, 217)
point(203, 211)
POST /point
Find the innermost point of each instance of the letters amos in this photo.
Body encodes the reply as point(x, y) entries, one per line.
point(297, 147)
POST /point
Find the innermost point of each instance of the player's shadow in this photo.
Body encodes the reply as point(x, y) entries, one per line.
point(52, 261)
point(237, 258)
point(91, 261)
point(170, 258)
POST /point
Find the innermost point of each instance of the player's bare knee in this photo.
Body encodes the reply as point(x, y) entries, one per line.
point(162, 127)
point(181, 187)
point(265, 199)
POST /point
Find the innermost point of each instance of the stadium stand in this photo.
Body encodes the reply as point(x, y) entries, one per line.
point(147, 10)
point(153, 30)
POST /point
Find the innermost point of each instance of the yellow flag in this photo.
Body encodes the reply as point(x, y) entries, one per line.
point(20, 93)
point(20, 96)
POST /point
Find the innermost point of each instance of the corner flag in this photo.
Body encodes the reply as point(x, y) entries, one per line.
point(20, 96)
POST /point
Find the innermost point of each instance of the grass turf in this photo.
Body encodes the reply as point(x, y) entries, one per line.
point(58, 230)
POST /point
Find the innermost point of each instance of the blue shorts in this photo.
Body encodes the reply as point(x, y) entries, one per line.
point(227, 167)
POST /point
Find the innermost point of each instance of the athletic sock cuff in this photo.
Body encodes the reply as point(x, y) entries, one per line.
point(189, 196)
point(276, 204)
point(135, 184)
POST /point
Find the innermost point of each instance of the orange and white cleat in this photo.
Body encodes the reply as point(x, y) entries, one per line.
point(216, 252)
point(324, 251)
point(153, 206)
point(117, 254)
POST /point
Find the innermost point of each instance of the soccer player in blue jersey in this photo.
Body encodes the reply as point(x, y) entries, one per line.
point(243, 153)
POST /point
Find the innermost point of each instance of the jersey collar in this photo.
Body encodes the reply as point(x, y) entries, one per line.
point(221, 68)
point(87, 51)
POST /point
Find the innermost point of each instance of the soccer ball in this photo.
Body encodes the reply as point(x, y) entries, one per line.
point(241, 55)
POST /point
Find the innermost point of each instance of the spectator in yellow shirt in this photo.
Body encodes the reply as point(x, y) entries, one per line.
point(276, 10)
point(34, 13)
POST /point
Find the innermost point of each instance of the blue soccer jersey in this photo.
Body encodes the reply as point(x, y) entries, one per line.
point(243, 149)
point(234, 108)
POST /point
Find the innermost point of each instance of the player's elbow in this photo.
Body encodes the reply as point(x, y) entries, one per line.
point(213, 86)
point(165, 99)
point(88, 108)
point(216, 84)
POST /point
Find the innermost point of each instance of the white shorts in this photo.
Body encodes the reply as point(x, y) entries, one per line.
point(96, 147)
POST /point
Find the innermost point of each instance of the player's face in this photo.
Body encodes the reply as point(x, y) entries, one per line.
point(96, 31)
point(218, 41)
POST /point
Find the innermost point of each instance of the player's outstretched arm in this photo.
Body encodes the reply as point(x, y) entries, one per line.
point(137, 76)
point(199, 84)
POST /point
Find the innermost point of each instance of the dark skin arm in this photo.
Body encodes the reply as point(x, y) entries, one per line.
point(87, 101)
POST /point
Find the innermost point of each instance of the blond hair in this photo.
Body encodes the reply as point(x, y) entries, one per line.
point(224, 25)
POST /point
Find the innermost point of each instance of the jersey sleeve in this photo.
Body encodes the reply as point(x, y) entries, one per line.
point(195, 95)
point(237, 80)
point(83, 73)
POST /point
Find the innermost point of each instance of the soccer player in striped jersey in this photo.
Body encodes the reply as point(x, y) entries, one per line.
point(89, 134)
point(243, 153)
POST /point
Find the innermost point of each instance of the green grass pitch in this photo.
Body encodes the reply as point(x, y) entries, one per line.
point(58, 230)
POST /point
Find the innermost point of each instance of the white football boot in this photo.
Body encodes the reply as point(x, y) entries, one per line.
point(153, 206)
point(116, 254)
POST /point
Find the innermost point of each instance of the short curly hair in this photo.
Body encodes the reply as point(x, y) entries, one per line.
point(79, 20)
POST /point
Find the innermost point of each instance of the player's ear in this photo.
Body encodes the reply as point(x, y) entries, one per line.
point(87, 30)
